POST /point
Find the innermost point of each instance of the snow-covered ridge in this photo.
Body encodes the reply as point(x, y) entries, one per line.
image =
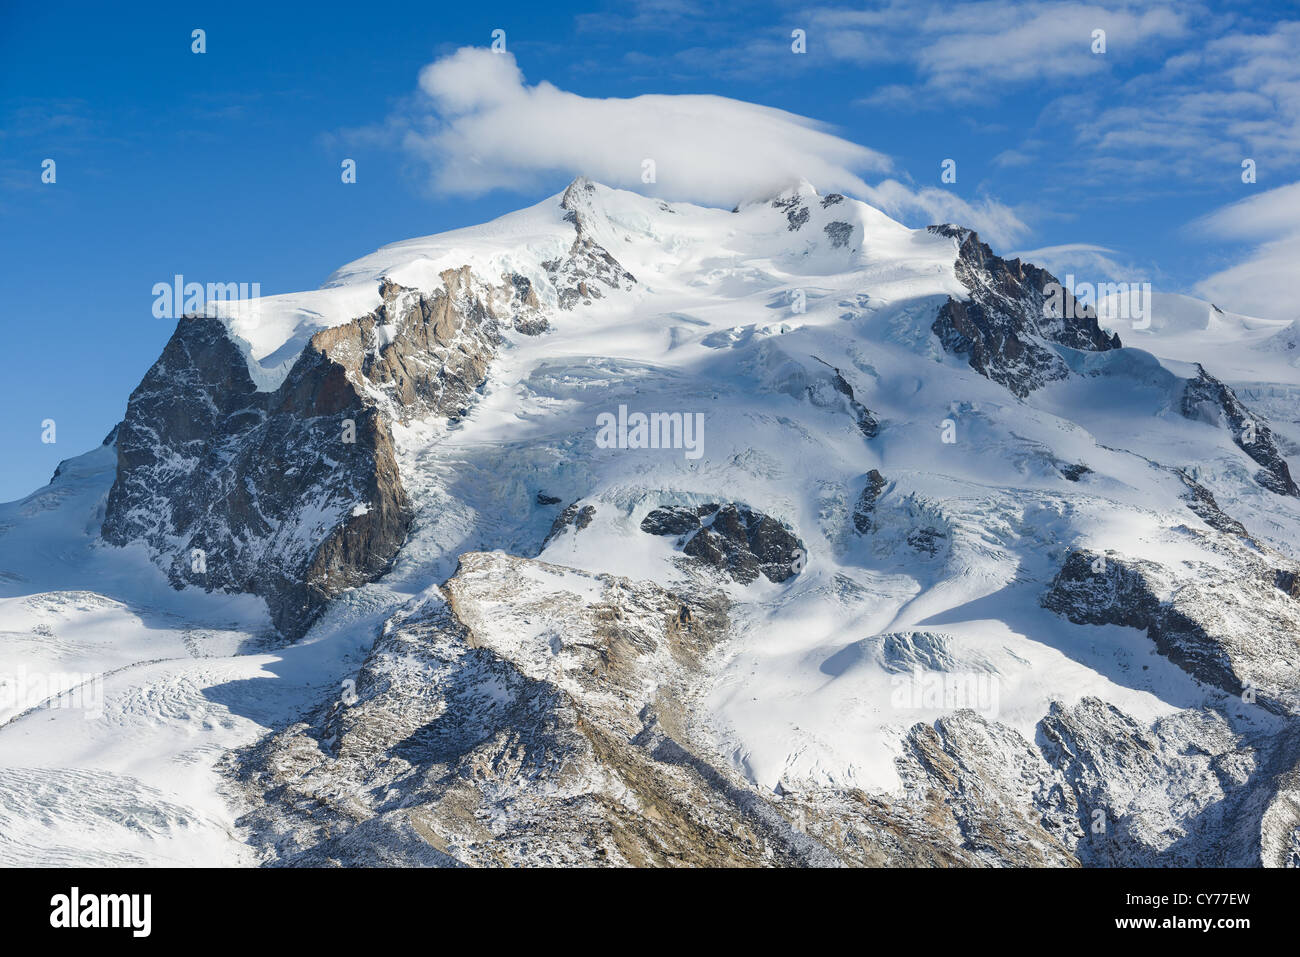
point(647, 236)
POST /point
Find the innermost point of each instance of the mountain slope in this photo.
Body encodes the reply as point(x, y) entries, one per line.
point(899, 566)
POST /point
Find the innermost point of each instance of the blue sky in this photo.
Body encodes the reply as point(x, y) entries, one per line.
point(225, 166)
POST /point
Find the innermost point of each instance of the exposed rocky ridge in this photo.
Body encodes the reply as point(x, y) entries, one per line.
point(1096, 789)
point(294, 495)
point(864, 508)
point(1005, 327)
point(420, 354)
point(734, 539)
point(1186, 791)
point(586, 752)
point(578, 757)
point(579, 276)
point(579, 517)
point(866, 422)
point(1228, 625)
point(1201, 502)
point(1207, 399)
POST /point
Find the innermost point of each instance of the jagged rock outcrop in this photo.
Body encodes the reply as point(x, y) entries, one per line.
point(1207, 399)
point(864, 508)
point(1171, 794)
point(579, 517)
point(1228, 625)
point(1006, 328)
point(866, 422)
point(734, 539)
point(579, 276)
point(796, 212)
point(1201, 502)
point(840, 233)
point(294, 494)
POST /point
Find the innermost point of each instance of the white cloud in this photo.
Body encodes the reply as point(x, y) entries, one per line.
point(1236, 96)
point(973, 51)
point(1014, 43)
point(996, 223)
point(492, 130)
point(1085, 261)
point(484, 128)
point(1264, 283)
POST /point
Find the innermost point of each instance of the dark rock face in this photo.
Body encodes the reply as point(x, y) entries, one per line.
point(1231, 630)
point(578, 517)
point(840, 234)
point(1288, 583)
point(927, 539)
point(293, 495)
point(1004, 328)
point(263, 484)
point(1202, 503)
point(1118, 594)
point(865, 507)
point(1207, 399)
point(732, 538)
point(867, 423)
point(796, 213)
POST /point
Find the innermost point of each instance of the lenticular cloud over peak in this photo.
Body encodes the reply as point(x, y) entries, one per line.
point(492, 130)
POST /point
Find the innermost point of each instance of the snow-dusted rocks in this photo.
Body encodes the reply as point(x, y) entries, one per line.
point(538, 716)
point(294, 493)
point(1005, 328)
point(865, 506)
point(1207, 399)
point(1227, 618)
point(734, 539)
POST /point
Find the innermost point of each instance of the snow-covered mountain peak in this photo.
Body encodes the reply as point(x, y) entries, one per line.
point(797, 230)
point(691, 503)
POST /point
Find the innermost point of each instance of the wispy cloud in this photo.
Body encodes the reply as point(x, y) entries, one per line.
point(1237, 97)
point(1263, 282)
point(984, 50)
point(1086, 261)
